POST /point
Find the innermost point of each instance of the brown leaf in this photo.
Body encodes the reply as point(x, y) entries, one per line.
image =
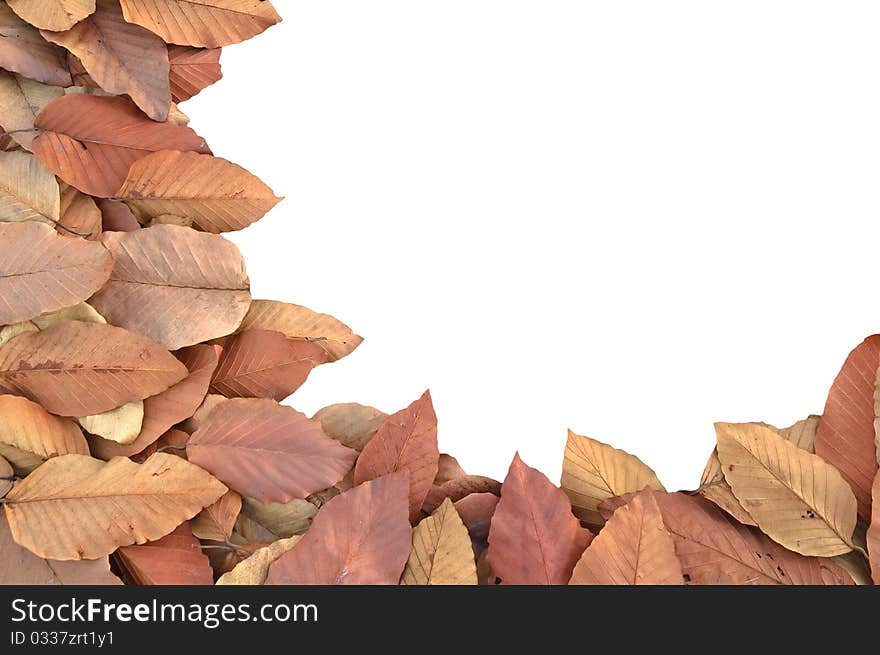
point(21, 100)
point(213, 194)
point(79, 214)
point(448, 469)
point(52, 14)
point(172, 442)
point(264, 364)
point(28, 192)
point(76, 507)
point(122, 58)
point(476, 512)
point(192, 70)
point(873, 536)
point(634, 548)
point(79, 312)
point(116, 216)
point(460, 488)
point(90, 141)
point(360, 537)
point(845, 436)
point(170, 407)
point(351, 424)
point(300, 322)
point(254, 569)
point(217, 520)
point(202, 23)
point(200, 416)
point(7, 476)
point(267, 451)
point(441, 551)
point(24, 51)
point(165, 270)
point(406, 440)
point(283, 519)
point(19, 566)
point(593, 471)
point(76, 369)
point(175, 559)
point(715, 550)
point(534, 538)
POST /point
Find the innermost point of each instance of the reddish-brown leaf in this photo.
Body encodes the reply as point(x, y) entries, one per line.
point(476, 511)
point(175, 404)
point(264, 364)
point(122, 58)
point(216, 521)
point(459, 488)
point(448, 469)
point(845, 436)
point(534, 539)
point(116, 216)
point(362, 536)
point(175, 559)
point(90, 142)
point(74, 368)
point(172, 442)
point(267, 451)
point(23, 50)
point(406, 440)
point(192, 70)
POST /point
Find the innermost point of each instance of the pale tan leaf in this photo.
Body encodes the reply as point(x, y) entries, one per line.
point(795, 497)
point(200, 416)
point(19, 566)
point(80, 215)
point(217, 520)
point(78, 312)
point(441, 552)
point(634, 548)
point(76, 507)
point(873, 537)
point(254, 569)
point(802, 433)
point(74, 368)
point(52, 14)
point(28, 192)
point(164, 271)
point(29, 434)
point(202, 23)
point(215, 194)
point(91, 141)
point(283, 519)
point(121, 425)
point(24, 51)
point(593, 471)
point(7, 476)
point(21, 100)
point(122, 58)
point(297, 321)
point(351, 424)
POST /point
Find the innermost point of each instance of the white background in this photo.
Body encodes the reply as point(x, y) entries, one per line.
point(630, 218)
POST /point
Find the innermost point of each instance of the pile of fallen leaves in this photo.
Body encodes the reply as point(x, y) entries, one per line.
point(141, 437)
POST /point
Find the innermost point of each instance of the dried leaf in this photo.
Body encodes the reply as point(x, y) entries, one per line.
point(90, 141)
point(122, 58)
point(593, 471)
point(794, 496)
point(441, 551)
point(28, 192)
point(351, 424)
point(845, 437)
point(29, 435)
point(634, 548)
point(459, 488)
point(116, 216)
point(165, 270)
point(534, 539)
point(283, 519)
point(78, 312)
point(114, 366)
point(21, 100)
point(202, 23)
point(300, 322)
point(170, 407)
point(121, 425)
point(360, 537)
point(254, 569)
point(175, 559)
point(7, 476)
point(267, 451)
point(802, 433)
point(715, 550)
point(873, 537)
point(19, 566)
point(214, 194)
point(200, 416)
point(476, 512)
point(24, 51)
point(448, 469)
point(192, 70)
point(406, 440)
point(76, 507)
point(264, 364)
point(216, 521)
point(79, 214)
point(52, 14)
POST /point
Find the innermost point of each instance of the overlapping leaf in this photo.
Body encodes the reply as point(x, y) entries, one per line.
point(52, 14)
point(24, 51)
point(192, 70)
point(29, 435)
point(175, 559)
point(21, 99)
point(28, 191)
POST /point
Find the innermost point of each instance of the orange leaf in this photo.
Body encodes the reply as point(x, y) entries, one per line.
point(192, 69)
point(175, 559)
